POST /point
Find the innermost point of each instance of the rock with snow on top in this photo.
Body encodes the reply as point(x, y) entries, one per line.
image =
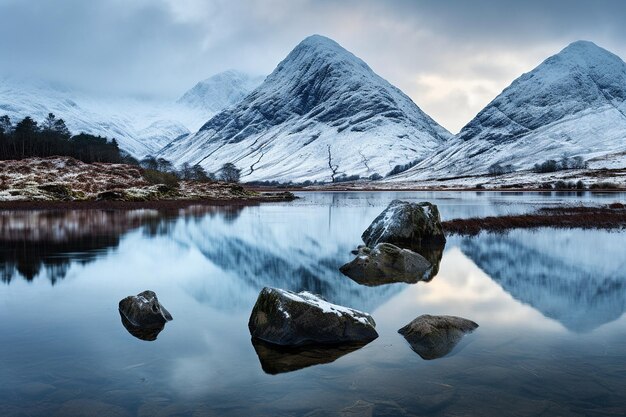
point(406, 225)
point(286, 318)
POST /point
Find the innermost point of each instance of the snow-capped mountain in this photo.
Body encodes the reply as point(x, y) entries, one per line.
point(141, 127)
point(219, 92)
point(20, 98)
point(321, 114)
point(572, 104)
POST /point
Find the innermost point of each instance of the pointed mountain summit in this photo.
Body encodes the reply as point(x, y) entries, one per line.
point(220, 91)
point(323, 115)
point(580, 77)
point(572, 104)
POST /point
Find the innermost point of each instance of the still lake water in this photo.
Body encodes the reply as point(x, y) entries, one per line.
point(550, 305)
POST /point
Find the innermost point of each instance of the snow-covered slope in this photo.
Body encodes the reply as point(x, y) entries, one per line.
point(218, 92)
point(322, 113)
point(141, 127)
point(19, 98)
point(572, 104)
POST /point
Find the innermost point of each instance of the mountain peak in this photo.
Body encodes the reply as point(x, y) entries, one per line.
point(219, 91)
point(317, 50)
point(586, 53)
point(580, 78)
point(573, 104)
point(582, 45)
point(318, 41)
point(320, 115)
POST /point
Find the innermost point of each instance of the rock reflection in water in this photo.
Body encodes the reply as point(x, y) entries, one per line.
point(388, 264)
point(279, 359)
point(147, 333)
point(433, 254)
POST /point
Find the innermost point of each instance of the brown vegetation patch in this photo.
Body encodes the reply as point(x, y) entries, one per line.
point(612, 216)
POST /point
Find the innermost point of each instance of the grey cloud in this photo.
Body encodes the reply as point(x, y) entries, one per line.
point(162, 47)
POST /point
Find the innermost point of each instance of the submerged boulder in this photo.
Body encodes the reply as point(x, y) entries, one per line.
point(144, 310)
point(406, 225)
point(386, 264)
point(433, 337)
point(286, 318)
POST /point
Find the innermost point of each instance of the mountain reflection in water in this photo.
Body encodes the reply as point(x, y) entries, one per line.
point(577, 277)
point(568, 281)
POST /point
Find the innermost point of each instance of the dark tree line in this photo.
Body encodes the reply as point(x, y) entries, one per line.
point(565, 163)
point(28, 139)
point(498, 169)
point(156, 167)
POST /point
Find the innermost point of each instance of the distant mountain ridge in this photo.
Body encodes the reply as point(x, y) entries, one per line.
point(220, 91)
point(321, 114)
point(141, 127)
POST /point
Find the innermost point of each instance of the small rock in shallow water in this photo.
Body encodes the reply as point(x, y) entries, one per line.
point(406, 225)
point(285, 318)
point(433, 337)
point(142, 314)
point(386, 264)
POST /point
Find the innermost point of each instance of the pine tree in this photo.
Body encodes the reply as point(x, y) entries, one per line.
point(48, 123)
point(61, 129)
point(25, 134)
point(6, 127)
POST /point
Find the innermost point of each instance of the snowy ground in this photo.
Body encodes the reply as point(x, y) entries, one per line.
point(518, 180)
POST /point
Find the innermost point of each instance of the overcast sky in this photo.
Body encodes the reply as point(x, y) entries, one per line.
point(451, 57)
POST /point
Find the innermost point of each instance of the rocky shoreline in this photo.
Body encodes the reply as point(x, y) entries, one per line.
point(62, 182)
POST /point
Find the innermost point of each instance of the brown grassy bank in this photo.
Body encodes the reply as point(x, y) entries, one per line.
point(612, 216)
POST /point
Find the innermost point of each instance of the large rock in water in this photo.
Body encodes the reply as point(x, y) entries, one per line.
point(285, 318)
point(144, 310)
point(386, 264)
point(406, 225)
point(433, 337)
